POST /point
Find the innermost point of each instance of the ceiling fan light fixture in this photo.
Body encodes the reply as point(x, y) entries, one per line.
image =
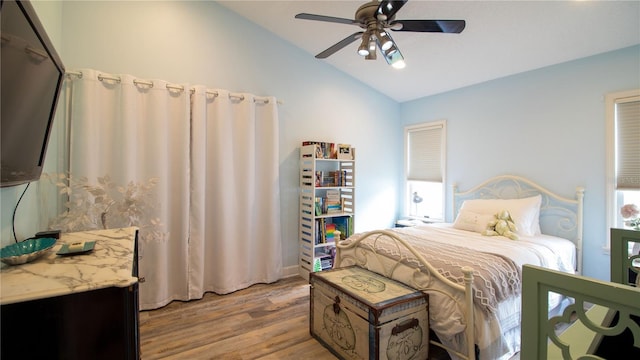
point(394, 57)
point(372, 50)
point(399, 64)
point(390, 50)
point(384, 39)
point(363, 49)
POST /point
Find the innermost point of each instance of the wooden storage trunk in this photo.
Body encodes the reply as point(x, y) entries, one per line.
point(358, 314)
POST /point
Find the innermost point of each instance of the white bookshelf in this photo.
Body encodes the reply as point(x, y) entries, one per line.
point(325, 184)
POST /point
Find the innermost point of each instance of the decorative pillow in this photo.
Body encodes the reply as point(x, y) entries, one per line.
point(525, 212)
point(472, 221)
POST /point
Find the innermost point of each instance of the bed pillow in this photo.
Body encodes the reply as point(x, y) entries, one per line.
point(525, 212)
point(472, 221)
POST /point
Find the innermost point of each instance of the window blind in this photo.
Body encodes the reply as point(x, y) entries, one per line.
point(628, 144)
point(425, 154)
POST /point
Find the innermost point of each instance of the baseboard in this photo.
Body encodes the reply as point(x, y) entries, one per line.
point(290, 271)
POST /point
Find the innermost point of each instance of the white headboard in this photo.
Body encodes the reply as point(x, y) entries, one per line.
point(559, 216)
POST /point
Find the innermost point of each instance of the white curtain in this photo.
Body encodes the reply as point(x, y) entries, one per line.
point(135, 132)
point(217, 197)
point(235, 200)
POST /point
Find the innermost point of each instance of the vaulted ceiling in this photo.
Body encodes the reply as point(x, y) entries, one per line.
point(501, 38)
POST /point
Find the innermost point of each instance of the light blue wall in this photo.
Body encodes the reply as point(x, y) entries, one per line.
point(201, 42)
point(547, 125)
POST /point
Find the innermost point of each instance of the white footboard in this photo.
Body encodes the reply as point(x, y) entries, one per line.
point(365, 255)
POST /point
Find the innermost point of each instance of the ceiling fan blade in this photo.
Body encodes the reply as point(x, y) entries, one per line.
point(339, 45)
point(389, 8)
point(332, 19)
point(442, 26)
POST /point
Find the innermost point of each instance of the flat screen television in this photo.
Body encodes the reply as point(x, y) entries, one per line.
point(31, 80)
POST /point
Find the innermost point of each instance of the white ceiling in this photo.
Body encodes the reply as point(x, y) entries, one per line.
point(501, 38)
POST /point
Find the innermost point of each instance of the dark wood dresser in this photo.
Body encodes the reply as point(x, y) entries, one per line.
point(73, 307)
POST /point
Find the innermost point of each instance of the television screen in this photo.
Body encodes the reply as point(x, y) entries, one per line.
point(31, 79)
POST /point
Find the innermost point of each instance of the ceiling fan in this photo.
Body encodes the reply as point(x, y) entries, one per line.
point(375, 18)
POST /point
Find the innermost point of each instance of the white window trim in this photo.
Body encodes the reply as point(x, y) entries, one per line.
point(610, 141)
point(443, 162)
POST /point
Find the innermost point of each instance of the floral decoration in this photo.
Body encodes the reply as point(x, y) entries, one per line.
point(630, 213)
point(103, 205)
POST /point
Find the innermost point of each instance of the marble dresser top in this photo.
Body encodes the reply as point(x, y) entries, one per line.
point(110, 264)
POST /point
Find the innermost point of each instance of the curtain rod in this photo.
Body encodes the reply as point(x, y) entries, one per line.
point(148, 83)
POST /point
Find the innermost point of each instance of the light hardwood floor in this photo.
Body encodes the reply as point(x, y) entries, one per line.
point(261, 322)
point(269, 322)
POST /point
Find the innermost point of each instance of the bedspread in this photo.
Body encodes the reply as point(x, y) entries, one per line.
point(495, 277)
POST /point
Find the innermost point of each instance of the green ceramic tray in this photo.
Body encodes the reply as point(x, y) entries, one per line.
point(88, 246)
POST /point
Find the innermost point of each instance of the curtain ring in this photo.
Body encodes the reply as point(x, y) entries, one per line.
point(143, 82)
point(77, 74)
point(103, 77)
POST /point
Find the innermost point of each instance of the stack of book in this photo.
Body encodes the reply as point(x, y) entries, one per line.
point(333, 202)
point(326, 262)
point(323, 263)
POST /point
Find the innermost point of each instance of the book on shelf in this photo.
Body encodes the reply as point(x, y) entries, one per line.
point(326, 262)
point(339, 178)
point(319, 203)
point(323, 263)
point(319, 235)
point(331, 203)
point(328, 228)
point(344, 224)
point(324, 150)
point(333, 194)
point(324, 231)
point(331, 178)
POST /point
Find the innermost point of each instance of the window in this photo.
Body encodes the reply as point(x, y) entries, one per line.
point(424, 170)
point(623, 154)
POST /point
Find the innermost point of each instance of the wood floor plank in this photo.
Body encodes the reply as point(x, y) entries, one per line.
point(250, 345)
point(261, 322)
